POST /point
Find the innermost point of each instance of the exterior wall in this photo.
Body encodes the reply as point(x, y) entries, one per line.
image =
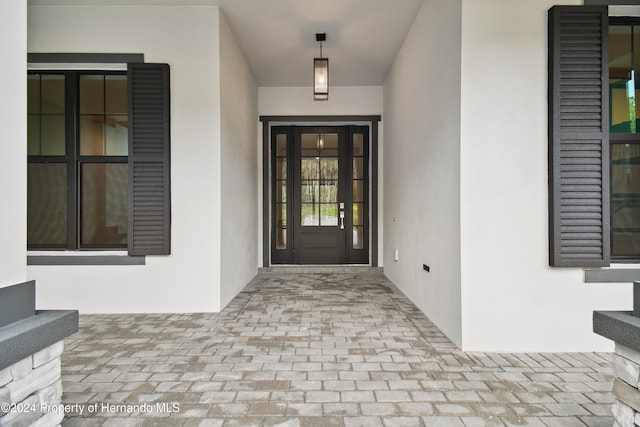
point(13, 162)
point(298, 101)
point(511, 299)
point(189, 279)
point(422, 166)
point(343, 101)
point(239, 108)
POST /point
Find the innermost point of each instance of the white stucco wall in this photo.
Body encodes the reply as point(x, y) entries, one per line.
point(189, 279)
point(343, 101)
point(511, 299)
point(298, 101)
point(422, 165)
point(239, 115)
point(13, 122)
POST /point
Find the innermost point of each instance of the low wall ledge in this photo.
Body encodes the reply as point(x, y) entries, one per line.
point(27, 336)
point(621, 327)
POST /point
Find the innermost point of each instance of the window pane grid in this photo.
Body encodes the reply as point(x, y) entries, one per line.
point(46, 134)
point(319, 180)
point(625, 199)
point(97, 183)
point(104, 195)
point(624, 90)
point(103, 115)
point(358, 207)
point(281, 188)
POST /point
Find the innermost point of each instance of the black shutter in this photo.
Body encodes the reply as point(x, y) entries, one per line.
point(149, 160)
point(579, 231)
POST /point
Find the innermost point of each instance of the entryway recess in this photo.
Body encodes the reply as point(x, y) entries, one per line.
point(320, 191)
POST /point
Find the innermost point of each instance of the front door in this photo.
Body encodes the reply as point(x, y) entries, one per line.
point(320, 195)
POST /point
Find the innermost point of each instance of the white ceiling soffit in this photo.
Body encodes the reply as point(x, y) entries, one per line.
point(277, 37)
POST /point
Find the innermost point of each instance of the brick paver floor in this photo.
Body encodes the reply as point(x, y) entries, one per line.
point(316, 350)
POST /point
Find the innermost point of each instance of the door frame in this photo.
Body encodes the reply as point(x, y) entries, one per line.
point(317, 121)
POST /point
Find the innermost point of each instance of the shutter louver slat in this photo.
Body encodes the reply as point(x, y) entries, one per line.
point(149, 160)
point(578, 137)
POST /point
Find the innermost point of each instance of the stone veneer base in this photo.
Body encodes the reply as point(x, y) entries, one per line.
point(30, 368)
point(31, 390)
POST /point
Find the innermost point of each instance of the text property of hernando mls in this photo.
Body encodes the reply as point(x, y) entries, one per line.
point(93, 408)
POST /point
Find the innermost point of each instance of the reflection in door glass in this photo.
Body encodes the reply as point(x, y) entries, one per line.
point(319, 180)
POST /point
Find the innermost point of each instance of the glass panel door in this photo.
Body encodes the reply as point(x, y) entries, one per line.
point(320, 195)
point(319, 180)
point(320, 162)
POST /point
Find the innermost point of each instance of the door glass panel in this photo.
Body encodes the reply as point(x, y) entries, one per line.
point(358, 214)
point(358, 237)
point(281, 168)
point(328, 214)
point(281, 145)
point(357, 191)
point(310, 145)
point(328, 145)
point(329, 192)
point(281, 192)
point(319, 179)
point(358, 168)
point(47, 204)
point(281, 226)
point(328, 168)
point(358, 144)
point(310, 169)
point(310, 214)
point(310, 192)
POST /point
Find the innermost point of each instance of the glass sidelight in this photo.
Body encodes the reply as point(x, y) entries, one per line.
point(281, 191)
point(358, 190)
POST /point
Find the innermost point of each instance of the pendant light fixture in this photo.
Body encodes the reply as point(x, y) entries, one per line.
point(321, 73)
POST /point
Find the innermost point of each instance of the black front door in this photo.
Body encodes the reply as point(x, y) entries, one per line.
point(320, 195)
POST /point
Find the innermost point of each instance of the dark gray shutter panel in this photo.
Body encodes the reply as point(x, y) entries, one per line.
point(578, 137)
point(149, 160)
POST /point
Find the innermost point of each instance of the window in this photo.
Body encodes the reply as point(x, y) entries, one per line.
point(77, 160)
point(624, 138)
point(98, 160)
point(594, 148)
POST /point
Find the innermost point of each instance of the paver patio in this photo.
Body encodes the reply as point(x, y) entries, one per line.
point(317, 349)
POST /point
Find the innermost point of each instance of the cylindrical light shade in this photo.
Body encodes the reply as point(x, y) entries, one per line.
point(321, 79)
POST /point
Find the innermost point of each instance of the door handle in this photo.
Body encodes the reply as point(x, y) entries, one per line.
point(341, 218)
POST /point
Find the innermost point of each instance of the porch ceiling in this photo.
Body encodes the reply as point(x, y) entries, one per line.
point(277, 37)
